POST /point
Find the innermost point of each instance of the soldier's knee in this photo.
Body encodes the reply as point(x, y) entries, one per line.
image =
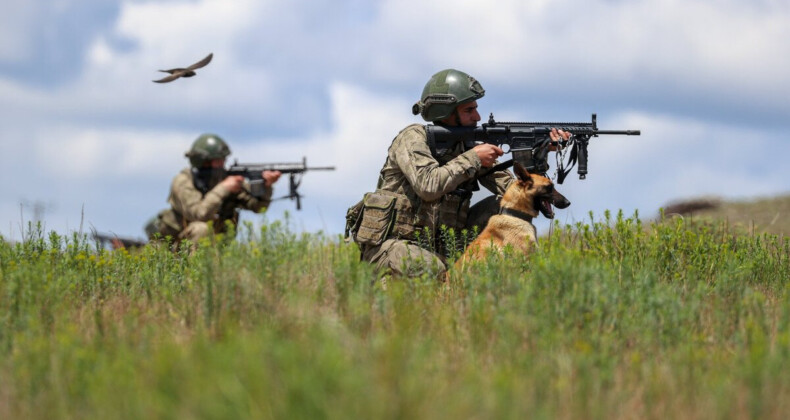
point(403, 258)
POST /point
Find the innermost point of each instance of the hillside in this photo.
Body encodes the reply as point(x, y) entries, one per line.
point(764, 215)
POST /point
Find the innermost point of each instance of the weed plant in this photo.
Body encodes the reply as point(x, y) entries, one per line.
point(606, 319)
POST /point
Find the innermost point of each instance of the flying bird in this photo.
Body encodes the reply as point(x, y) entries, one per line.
point(187, 72)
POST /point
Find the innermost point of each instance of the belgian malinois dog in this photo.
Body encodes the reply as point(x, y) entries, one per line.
point(528, 195)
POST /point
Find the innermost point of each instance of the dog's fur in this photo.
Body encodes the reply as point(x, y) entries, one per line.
point(528, 195)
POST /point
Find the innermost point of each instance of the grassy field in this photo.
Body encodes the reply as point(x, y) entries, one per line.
point(612, 319)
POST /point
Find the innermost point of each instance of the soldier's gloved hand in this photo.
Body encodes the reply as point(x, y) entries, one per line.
point(270, 177)
point(557, 136)
point(488, 154)
point(233, 183)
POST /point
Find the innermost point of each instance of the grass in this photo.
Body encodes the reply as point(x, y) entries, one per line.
point(608, 319)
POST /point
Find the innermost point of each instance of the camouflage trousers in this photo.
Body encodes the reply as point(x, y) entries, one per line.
point(156, 229)
point(407, 258)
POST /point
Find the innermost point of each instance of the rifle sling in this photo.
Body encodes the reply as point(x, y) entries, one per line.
point(431, 142)
point(561, 171)
point(499, 167)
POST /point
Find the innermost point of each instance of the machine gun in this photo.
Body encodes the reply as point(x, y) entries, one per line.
point(295, 171)
point(114, 241)
point(529, 142)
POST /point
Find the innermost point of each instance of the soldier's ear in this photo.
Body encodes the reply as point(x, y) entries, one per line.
point(522, 174)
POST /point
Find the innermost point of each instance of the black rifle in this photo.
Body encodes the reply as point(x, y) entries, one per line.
point(528, 141)
point(295, 170)
point(117, 242)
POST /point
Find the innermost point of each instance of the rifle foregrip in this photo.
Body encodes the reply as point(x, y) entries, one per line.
point(257, 188)
point(582, 156)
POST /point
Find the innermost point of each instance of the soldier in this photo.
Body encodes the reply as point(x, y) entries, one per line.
point(419, 194)
point(203, 198)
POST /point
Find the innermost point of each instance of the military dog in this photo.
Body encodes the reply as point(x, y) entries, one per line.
point(523, 200)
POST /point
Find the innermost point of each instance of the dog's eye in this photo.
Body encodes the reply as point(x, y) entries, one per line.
point(550, 189)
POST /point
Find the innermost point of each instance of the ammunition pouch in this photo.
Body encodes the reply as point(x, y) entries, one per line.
point(380, 215)
point(383, 215)
point(353, 219)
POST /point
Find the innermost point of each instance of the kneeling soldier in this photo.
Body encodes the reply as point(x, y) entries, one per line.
point(420, 193)
point(203, 199)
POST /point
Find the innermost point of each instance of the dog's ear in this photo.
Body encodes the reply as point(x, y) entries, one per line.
point(521, 173)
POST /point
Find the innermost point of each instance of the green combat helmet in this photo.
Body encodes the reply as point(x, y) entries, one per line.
point(206, 148)
point(446, 90)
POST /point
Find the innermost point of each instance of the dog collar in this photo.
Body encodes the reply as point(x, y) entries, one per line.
point(515, 213)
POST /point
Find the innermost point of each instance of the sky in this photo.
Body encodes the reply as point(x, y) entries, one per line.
point(89, 142)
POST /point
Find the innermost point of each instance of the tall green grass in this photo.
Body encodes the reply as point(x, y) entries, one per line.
point(607, 319)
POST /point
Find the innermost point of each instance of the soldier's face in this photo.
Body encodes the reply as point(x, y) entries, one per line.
point(467, 114)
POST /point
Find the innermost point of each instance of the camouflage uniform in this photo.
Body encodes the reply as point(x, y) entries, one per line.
point(192, 208)
point(416, 196)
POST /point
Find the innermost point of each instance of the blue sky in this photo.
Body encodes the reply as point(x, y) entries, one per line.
point(89, 139)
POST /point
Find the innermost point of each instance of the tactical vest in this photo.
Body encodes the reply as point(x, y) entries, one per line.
point(384, 214)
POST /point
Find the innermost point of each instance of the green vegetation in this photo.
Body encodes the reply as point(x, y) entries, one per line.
point(610, 319)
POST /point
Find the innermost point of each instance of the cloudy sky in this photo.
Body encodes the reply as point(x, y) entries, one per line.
point(88, 140)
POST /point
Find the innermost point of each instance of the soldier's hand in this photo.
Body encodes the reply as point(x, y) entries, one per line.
point(488, 154)
point(233, 183)
point(558, 135)
point(270, 177)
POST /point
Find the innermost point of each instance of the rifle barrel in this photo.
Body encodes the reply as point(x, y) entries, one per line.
point(282, 167)
point(623, 132)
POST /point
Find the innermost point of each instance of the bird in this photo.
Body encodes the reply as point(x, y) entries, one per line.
point(184, 72)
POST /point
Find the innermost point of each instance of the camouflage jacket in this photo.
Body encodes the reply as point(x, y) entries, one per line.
point(218, 204)
point(438, 191)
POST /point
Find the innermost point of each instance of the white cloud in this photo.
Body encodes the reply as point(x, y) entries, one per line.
point(690, 44)
point(363, 126)
point(164, 27)
point(271, 57)
point(80, 154)
point(347, 83)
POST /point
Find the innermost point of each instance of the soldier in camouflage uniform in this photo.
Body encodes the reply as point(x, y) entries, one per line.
point(203, 199)
point(419, 195)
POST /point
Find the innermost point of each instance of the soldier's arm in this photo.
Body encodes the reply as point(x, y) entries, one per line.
point(187, 200)
point(428, 179)
point(249, 202)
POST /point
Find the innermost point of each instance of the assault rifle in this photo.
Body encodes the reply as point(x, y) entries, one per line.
point(295, 171)
point(114, 241)
point(529, 142)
